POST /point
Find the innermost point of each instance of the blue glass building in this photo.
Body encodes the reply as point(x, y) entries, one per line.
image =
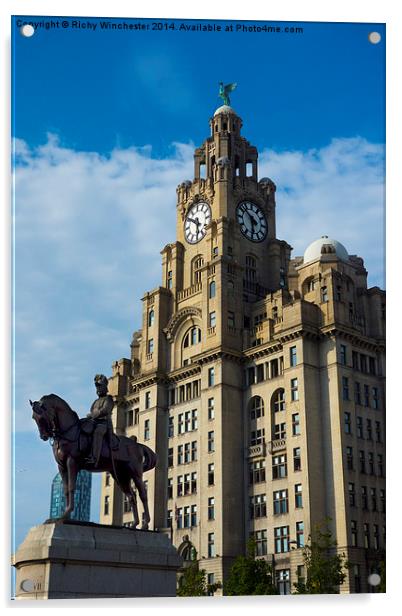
point(82, 509)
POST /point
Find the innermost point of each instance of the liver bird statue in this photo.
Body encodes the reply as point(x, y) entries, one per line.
point(224, 91)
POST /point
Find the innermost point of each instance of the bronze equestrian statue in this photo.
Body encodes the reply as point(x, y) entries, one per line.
point(81, 444)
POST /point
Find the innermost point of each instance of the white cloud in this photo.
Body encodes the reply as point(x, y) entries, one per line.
point(337, 191)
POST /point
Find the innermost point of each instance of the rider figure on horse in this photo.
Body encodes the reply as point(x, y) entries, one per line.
point(101, 414)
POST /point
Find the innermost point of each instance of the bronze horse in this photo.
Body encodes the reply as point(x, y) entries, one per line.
point(71, 444)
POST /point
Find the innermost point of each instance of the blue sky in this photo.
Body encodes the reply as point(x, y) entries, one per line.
point(105, 123)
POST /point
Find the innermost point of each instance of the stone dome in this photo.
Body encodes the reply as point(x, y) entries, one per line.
point(325, 246)
point(225, 109)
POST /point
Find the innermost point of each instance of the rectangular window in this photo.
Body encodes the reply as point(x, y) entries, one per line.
point(294, 392)
point(187, 454)
point(382, 501)
point(231, 319)
point(257, 471)
point(186, 517)
point(345, 388)
point(342, 354)
point(369, 430)
point(281, 537)
point(169, 518)
point(366, 390)
point(193, 483)
point(364, 498)
point(211, 442)
point(258, 506)
point(180, 485)
point(170, 456)
point(187, 421)
point(151, 345)
point(373, 498)
point(347, 423)
point(170, 487)
point(363, 363)
point(180, 423)
point(380, 465)
point(257, 437)
point(300, 534)
point(169, 279)
point(378, 432)
point(298, 496)
point(280, 431)
point(349, 458)
point(295, 424)
point(352, 494)
point(375, 397)
point(279, 467)
point(193, 451)
point(212, 319)
point(211, 545)
point(366, 533)
point(324, 294)
point(372, 369)
point(211, 474)
point(359, 427)
point(362, 461)
point(211, 377)
point(147, 399)
point(146, 430)
point(281, 503)
point(371, 463)
point(296, 459)
point(211, 508)
point(210, 582)
point(358, 397)
point(186, 484)
point(355, 360)
point(260, 537)
point(283, 581)
point(179, 517)
point(293, 356)
point(171, 426)
point(193, 520)
point(260, 373)
point(129, 418)
point(194, 420)
point(353, 532)
point(376, 537)
point(180, 458)
point(211, 408)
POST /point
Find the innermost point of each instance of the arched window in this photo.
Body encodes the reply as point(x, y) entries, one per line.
point(278, 400)
point(193, 336)
point(212, 289)
point(151, 318)
point(198, 263)
point(256, 407)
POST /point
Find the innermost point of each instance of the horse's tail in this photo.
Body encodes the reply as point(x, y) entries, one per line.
point(150, 458)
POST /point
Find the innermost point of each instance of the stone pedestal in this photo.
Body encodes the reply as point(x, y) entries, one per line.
point(77, 560)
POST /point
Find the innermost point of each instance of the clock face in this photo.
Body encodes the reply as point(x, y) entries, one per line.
point(197, 219)
point(252, 221)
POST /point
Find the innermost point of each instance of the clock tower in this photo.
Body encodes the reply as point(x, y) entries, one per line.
point(238, 377)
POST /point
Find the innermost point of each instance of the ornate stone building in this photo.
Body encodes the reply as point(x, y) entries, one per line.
point(257, 378)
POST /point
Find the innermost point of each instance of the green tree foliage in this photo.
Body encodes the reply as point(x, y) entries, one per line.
point(325, 568)
point(193, 582)
point(250, 575)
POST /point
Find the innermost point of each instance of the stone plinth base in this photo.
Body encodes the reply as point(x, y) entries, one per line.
point(77, 560)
